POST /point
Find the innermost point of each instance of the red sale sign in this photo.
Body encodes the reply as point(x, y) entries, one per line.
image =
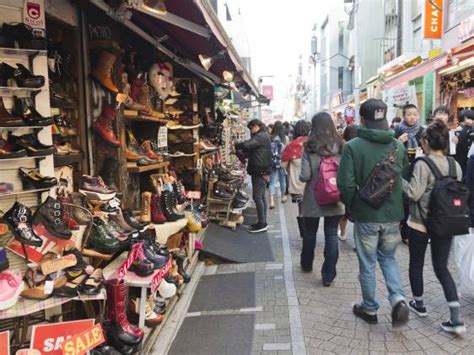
point(85, 341)
point(5, 342)
point(49, 338)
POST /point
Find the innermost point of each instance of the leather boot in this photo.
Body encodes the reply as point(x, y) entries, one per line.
point(25, 108)
point(103, 70)
point(111, 331)
point(157, 215)
point(18, 219)
point(120, 220)
point(146, 208)
point(51, 215)
point(178, 189)
point(116, 311)
point(167, 206)
point(145, 101)
point(6, 119)
point(103, 125)
point(180, 263)
point(135, 89)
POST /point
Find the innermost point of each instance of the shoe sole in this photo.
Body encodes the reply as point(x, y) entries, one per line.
point(419, 314)
point(258, 230)
point(97, 195)
point(401, 318)
point(458, 330)
point(360, 316)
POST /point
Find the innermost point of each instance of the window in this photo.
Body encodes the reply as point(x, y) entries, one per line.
point(416, 7)
point(457, 11)
point(340, 78)
point(341, 37)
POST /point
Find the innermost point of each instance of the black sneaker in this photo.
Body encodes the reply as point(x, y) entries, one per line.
point(420, 311)
point(360, 313)
point(400, 314)
point(454, 328)
point(258, 228)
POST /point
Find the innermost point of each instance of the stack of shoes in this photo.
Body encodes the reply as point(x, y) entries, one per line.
point(153, 257)
point(119, 333)
point(94, 188)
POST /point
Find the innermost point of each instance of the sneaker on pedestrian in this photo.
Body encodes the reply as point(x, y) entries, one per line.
point(420, 311)
point(400, 314)
point(454, 328)
point(360, 313)
point(258, 228)
point(342, 237)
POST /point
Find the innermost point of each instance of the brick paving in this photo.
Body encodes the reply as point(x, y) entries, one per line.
point(328, 324)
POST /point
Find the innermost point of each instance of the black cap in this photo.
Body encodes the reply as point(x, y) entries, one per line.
point(374, 113)
point(469, 114)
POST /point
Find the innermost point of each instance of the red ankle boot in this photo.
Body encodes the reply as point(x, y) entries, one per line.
point(157, 215)
point(103, 126)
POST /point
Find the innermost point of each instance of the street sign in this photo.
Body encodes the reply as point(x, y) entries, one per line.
point(433, 19)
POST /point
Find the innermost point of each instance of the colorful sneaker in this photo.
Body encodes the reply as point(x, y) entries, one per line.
point(11, 285)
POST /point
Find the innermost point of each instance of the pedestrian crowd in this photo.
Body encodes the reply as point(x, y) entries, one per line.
point(398, 182)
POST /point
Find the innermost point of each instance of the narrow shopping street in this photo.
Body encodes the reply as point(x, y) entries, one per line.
point(295, 314)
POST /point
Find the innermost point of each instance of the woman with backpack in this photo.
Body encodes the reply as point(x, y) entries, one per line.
point(279, 140)
point(424, 192)
point(321, 198)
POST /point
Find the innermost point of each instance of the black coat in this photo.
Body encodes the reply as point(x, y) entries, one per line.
point(462, 148)
point(259, 152)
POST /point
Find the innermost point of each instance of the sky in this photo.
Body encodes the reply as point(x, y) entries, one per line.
point(278, 32)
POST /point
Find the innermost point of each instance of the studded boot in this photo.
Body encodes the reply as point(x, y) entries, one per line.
point(157, 215)
point(179, 192)
point(18, 219)
point(51, 215)
point(167, 206)
point(145, 216)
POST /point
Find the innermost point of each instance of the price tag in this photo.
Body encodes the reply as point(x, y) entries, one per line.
point(48, 287)
point(195, 195)
point(162, 137)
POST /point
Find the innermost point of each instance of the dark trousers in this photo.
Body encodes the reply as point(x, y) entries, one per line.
point(259, 185)
point(331, 248)
point(440, 248)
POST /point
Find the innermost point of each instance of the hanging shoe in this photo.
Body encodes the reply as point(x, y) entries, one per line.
point(51, 215)
point(103, 70)
point(22, 76)
point(145, 216)
point(103, 126)
point(18, 218)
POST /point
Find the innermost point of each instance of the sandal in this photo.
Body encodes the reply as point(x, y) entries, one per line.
point(70, 289)
point(93, 284)
point(54, 261)
point(36, 285)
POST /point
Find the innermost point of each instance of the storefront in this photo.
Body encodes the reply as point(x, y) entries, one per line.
point(115, 152)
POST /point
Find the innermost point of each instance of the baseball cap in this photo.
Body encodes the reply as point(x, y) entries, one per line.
point(469, 114)
point(374, 113)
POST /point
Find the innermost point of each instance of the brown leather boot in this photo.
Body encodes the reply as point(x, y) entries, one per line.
point(103, 70)
point(145, 216)
point(144, 100)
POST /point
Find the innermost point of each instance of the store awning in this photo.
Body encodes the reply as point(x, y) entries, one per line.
point(188, 30)
point(417, 71)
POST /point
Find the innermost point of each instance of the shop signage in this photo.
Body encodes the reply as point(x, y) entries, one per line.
point(49, 338)
point(398, 97)
point(33, 13)
point(5, 342)
point(84, 341)
point(196, 195)
point(466, 29)
point(267, 91)
point(433, 18)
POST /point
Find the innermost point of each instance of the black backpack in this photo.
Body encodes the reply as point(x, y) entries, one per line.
point(381, 181)
point(448, 209)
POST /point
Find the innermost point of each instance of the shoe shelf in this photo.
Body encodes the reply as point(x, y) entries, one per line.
point(144, 168)
point(11, 128)
point(24, 192)
point(21, 52)
point(41, 157)
point(145, 119)
point(67, 159)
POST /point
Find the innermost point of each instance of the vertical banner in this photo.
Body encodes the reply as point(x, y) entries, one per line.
point(433, 19)
point(33, 15)
point(267, 91)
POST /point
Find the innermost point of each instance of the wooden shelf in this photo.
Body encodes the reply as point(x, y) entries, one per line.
point(27, 158)
point(67, 159)
point(142, 169)
point(145, 119)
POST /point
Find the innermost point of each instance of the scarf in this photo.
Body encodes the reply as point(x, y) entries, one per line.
point(294, 149)
point(412, 132)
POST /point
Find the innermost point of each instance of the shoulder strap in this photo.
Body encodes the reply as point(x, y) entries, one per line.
point(452, 168)
point(433, 167)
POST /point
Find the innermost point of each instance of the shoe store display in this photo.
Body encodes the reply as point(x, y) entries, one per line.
point(21, 76)
point(103, 69)
point(9, 150)
point(157, 215)
point(103, 126)
point(7, 119)
point(32, 145)
point(95, 189)
point(26, 36)
point(24, 107)
point(101, 240)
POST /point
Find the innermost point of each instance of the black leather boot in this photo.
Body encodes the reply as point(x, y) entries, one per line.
point(18, 218)
point(180, 263)
point(25, 108)
point(168, 207)
point(112, 330)
point(51, 215)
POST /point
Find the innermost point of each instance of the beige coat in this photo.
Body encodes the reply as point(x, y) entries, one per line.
point(293, 167)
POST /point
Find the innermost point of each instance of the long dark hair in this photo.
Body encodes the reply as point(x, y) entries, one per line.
point(278, 130)
point(324, 139)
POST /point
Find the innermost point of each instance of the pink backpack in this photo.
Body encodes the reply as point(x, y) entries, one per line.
point(325, 189)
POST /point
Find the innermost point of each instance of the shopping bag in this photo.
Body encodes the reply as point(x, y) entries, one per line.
point(464, 258)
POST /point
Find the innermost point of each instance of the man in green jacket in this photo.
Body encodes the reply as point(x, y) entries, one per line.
point(376, 231)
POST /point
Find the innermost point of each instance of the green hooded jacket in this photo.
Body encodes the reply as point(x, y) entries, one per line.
point(359, 158)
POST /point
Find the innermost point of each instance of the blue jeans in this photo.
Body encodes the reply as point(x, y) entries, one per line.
point(331, 247)
point(279, 174)
point(378, 241)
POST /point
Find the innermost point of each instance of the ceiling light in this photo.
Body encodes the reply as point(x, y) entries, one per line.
point(228, 76)
point(155, 6)
point(207, 62)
